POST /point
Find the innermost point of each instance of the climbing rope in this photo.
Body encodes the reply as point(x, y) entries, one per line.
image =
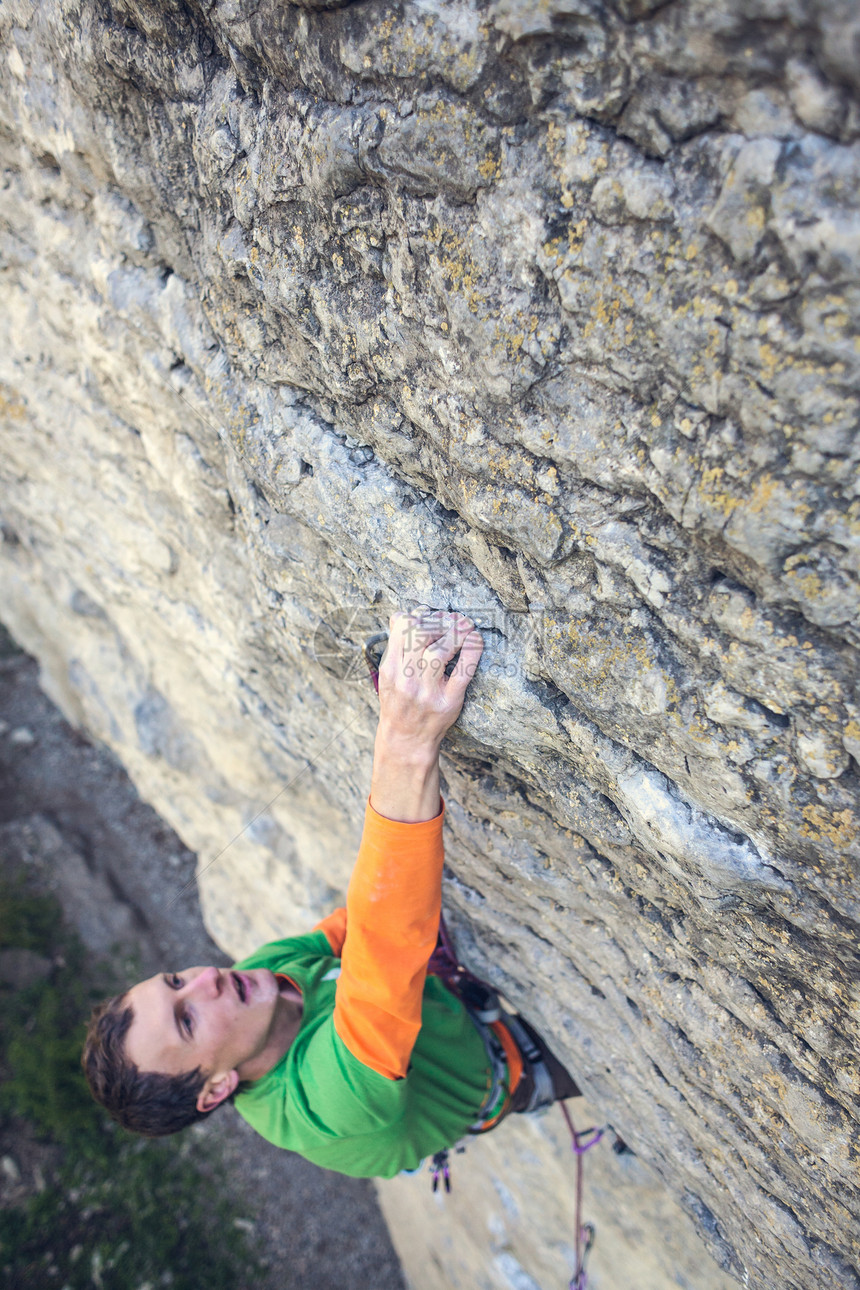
point(581, 1142)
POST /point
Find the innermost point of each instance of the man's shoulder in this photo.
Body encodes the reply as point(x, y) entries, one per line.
point(278, 956)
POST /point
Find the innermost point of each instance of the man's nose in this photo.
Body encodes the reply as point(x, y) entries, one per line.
point(207, 983)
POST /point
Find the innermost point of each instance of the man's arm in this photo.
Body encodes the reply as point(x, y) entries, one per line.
point(394, 896)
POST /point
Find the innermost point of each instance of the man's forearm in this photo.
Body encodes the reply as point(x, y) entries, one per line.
point(405, 781)
point(395, 893)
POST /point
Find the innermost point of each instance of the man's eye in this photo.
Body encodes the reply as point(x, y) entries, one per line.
point(186, 1021)
point(175, 981)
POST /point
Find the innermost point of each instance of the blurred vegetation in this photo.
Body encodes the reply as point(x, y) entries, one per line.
point(117, 1212)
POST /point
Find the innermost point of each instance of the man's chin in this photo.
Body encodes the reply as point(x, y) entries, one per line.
point(258, 985)
point(271, 981)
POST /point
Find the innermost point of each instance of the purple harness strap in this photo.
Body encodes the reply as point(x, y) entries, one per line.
point(443, 961)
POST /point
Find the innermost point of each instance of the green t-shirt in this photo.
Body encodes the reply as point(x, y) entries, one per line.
point(325, 1104)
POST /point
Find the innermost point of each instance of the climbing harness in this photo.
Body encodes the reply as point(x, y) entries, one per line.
point(482, 1003)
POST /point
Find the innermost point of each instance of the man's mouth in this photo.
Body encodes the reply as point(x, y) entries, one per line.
point(241, 986)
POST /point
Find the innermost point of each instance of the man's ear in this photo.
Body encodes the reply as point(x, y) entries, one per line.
point(216, 1089)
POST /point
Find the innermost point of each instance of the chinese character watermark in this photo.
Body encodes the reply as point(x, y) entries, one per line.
point(339, 639)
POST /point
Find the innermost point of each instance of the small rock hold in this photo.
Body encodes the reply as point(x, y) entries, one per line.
point(727, 708)
point(851, 734)
point(819, 757)
point(223, 146)
point(817, 104)
point(10, 1168)
point(22, 736)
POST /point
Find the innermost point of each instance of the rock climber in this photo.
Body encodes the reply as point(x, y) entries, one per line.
point(339, 1044)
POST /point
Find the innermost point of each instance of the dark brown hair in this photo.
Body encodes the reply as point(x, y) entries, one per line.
point(142, 1102)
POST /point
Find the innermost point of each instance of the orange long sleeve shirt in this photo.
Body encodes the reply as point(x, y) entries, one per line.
point(385, 938)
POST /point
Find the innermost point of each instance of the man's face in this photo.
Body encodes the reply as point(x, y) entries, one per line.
point(215, 1018)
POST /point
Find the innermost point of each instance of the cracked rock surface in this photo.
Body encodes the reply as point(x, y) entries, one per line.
point(544, 311)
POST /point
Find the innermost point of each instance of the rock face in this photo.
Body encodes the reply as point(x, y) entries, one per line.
point(544, 311)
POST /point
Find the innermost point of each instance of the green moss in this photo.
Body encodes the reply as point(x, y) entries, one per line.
point(117, 1211)
point(27, 922)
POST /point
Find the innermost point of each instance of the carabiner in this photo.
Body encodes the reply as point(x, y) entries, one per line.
point(373, 655)
point(440, 1167)
point(585, 1139)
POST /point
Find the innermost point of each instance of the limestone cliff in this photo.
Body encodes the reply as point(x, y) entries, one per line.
point(546, 311)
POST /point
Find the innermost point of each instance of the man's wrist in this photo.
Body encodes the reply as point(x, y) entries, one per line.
point(406, 750)
point(405, 783)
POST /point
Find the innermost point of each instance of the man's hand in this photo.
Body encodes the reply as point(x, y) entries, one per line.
point(418, 703)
